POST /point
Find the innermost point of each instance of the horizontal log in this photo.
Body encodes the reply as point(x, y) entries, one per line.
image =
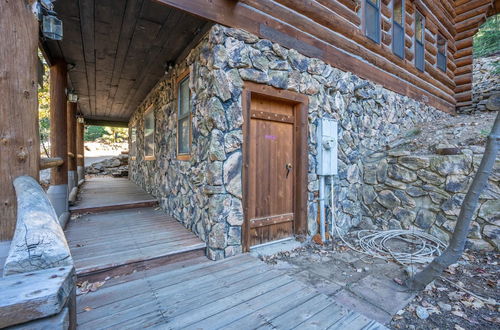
point(341, 10)
point(50, 162)
point(34, 295)
point(473, 12)
point(463, 69)
point(36, 219)
point(463, 79)
point(464, 96)
point(79, 156)
point(110, 123)
point(464, 52)
point(473, 22)
point(70, 154)
point(463, 88)
point(463, 61)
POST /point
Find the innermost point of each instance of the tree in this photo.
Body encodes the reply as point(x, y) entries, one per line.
point(44, 106)
point(93, 133)
point(459, 237)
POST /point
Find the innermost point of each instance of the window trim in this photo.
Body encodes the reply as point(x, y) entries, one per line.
point(183, 156)
point(147, 112)
point(133, 141)
point(377, 7)
point(402, 26)
point(419, 43)
point(445, 55)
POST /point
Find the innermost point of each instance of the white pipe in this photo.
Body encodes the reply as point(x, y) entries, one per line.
point(322, 207)
point(332, 210)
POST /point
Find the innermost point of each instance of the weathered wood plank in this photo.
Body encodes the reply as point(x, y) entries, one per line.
point(34, 295)
point(39, 241)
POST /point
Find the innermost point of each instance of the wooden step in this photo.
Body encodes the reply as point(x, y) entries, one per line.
point(103, 271)
point(114, 206)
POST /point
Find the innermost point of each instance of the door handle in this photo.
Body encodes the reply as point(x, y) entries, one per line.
point(288, 168)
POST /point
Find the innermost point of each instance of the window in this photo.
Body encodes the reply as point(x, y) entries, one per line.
point(372, 20)
point(441, 55)
point(133, 142)
point(183, 118)
point(419, 41)
point(398, 31)
point(149, 134)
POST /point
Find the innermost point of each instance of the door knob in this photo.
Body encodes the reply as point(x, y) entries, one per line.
point(288, 169)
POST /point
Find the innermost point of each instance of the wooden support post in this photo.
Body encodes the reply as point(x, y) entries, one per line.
point(71, 136)
point(58, 190)
point(80, 151)
point(19, 141)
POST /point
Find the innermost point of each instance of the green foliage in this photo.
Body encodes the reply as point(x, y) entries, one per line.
point(487, 39)
point(93, 133)
point(44, 106)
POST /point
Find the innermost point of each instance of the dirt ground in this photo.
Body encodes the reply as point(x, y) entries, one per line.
point(337, 270)
point(452, 308)
point(459, 131)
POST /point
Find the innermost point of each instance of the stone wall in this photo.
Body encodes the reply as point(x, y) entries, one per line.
point(205, 192)
point(425, 192)
point(485, 81)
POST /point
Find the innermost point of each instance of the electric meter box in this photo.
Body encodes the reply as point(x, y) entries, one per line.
point(327, 146)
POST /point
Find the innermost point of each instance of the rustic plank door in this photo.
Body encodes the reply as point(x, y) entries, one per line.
point(271, 173)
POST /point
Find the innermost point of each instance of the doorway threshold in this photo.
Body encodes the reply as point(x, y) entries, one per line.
point(270, 248)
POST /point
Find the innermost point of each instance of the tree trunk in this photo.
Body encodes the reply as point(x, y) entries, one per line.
point(457, 243)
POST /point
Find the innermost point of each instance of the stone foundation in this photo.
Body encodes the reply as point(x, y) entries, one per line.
point(204, 193)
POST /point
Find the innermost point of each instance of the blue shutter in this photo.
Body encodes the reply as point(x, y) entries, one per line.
point(372, 21)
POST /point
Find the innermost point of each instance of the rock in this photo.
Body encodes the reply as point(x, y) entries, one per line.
point(370, 173)
point(232, 174)
point(232, 250)
point(394, 224)
point(400, 173)
point(233, 141)
point(388, 199)
point(353, 173)
point(457, 164)
point(234, 236)
point(415, 191)
point(414, 162)
point(216, 149)
point(217, 236)
point(479, 245)
point(405, 216)
point(422, 313)
point(298, 61)
point(457, 183)
point(452, 205)
point(490, 211)
point(444, 307)
point(214, 173)
point(492, 233)
point(368, 194)
point(242, 35)
point(216, 114)
point(254, 75)
point(278, 79)
point(439, 234)
point(235, 214)
point(425, 218)
point(430, 177)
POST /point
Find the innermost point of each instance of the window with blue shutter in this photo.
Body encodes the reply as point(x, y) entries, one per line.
point(441, 55)
point(372, 20)
point(398, 31)
point(419, 41)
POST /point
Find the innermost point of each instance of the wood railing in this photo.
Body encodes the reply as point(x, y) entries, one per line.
point(38, 285)
point(50, 162)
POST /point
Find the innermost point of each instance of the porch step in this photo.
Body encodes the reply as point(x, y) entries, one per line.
point(94, 273)
point(114, 206)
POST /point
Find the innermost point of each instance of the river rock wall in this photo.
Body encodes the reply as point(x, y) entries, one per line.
point(425, 192)
point(205, 192)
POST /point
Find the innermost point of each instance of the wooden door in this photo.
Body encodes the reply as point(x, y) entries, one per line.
point(271, 172)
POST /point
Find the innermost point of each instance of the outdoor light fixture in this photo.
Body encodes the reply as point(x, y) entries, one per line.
point(80, 120)
point(72, 97)
point(52, 26)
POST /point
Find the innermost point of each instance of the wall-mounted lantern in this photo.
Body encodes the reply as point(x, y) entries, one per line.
point(72, 97)
point(80, 119)
point(52, 26)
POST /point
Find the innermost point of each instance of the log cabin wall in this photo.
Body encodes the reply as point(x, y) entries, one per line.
point(470, 14)
point(334, 31)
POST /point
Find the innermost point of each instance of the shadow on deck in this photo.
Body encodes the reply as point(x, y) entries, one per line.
point(113, 231)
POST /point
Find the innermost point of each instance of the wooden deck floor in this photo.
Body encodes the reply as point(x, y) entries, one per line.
point(236, 293)
point(98, 193)
point(105, 240)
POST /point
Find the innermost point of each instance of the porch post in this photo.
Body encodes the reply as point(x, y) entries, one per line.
point(19, 141)
point(72, 154)
point(58, 190)
point(80, 151)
